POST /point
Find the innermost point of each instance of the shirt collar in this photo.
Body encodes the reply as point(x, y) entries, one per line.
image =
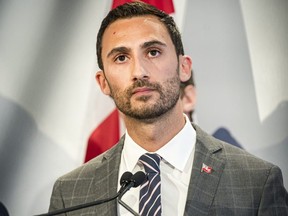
point(176, 152)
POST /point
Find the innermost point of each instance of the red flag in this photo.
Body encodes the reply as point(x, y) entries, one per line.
point(206, 168)
point(164, 5)
point(104, 136)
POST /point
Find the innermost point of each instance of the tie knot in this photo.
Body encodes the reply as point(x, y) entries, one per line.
point(151, 162)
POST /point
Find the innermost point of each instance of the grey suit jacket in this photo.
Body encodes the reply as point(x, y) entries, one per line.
point(239, 184)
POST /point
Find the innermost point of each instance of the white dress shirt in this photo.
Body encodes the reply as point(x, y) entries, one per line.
point(175, 168)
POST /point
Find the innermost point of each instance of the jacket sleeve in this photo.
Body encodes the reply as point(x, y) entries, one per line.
point(274, 200)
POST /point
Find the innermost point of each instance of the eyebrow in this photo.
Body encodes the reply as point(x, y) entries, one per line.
point(152, 43)
point(118, 50)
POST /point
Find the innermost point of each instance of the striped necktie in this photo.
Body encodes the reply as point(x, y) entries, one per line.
point(150, 196)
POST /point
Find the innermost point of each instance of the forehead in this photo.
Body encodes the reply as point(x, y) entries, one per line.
point(125, 32)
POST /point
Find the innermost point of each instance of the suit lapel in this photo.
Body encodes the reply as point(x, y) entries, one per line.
point(203, 185)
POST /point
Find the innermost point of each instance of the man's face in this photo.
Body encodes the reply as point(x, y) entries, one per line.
point(141, 67)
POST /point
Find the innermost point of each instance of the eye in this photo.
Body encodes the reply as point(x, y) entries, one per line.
point(154, 53)
point(121, 59)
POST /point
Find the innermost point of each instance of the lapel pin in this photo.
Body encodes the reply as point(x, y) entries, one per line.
point(206, 168)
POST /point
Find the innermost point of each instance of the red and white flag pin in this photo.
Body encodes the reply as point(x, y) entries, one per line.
point(206, 168)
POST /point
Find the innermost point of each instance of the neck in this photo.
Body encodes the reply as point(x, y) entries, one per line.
point(155, 133)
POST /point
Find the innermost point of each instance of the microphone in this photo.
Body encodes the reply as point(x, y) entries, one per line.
point(3, 210)
point(125, 182)
point(136, 180)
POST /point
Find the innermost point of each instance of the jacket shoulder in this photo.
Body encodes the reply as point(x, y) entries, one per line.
point(234, 156)
point(96, 164)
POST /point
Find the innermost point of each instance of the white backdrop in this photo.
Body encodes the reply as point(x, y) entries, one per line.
point(49, 101)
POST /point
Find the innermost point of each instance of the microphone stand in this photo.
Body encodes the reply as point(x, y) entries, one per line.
point(127, 181)
point(84, 205)
point(131, 184)
point(136, 180)
point(124, 181)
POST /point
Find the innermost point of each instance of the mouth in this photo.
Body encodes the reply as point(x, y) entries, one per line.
point(142, 90)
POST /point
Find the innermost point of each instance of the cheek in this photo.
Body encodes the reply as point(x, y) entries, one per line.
point(169, 67)
point(118, 76)
point(168, 72)
point(116, 73)
point(157, 69)
point(116, 84)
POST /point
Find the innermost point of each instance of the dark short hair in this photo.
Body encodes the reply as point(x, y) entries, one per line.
point(135, 9)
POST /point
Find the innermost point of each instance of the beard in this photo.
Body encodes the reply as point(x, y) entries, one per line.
point(169, 93)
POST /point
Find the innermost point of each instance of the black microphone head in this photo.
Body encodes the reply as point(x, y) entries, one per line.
point(125, 178)
point(138, 178)
point(3, 210)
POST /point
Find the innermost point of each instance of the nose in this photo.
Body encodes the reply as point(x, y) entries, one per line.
point(139, 70)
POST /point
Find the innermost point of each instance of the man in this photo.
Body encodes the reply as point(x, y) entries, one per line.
point(188, 97)
point(142, 62)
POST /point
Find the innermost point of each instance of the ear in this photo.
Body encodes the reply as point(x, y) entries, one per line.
point(189, 99)
point(185, 64)
point(103, 83)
